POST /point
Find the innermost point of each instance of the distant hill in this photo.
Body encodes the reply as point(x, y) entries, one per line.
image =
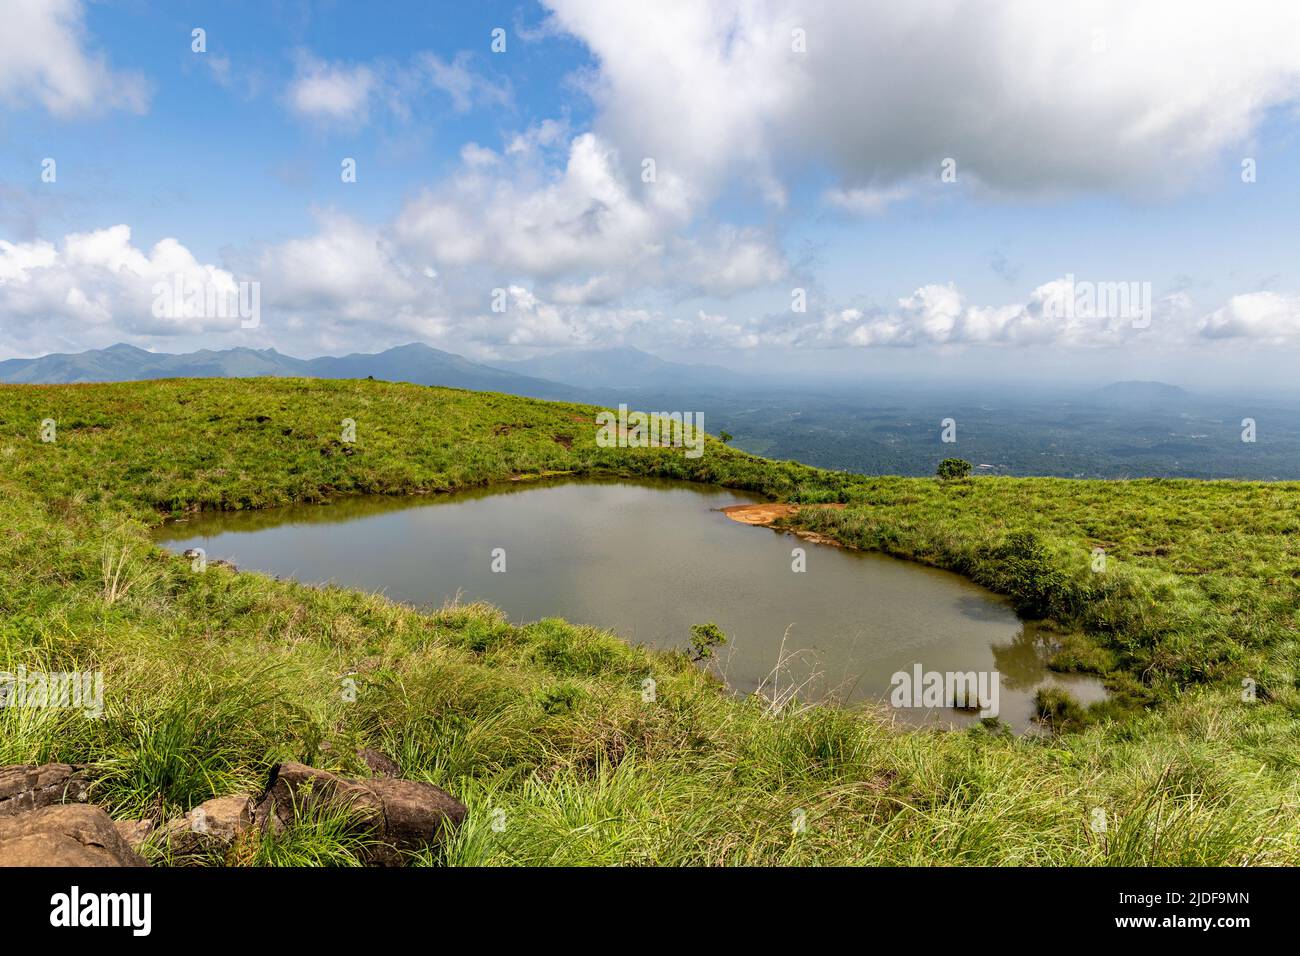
point(1141, 392)
point(123, 362)
point(415, 363)
point(622, 368)
point(423, 365)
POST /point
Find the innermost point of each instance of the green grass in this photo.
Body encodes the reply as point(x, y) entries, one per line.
point(211, 678)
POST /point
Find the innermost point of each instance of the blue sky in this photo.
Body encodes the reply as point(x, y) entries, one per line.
point(796, 147)
point(217, 157)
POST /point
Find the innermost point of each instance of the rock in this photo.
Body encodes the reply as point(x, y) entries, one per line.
point(416, 814)
point(402, 815)
point(213, 825)
point(296, 788)
point(69, 835)
point(26, 787)
point(134, 832)
point(380, 764)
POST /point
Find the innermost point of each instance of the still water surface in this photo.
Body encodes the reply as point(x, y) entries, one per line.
point(647, 560)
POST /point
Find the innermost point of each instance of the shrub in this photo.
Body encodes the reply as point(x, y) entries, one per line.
point(1028, 574)
point(953, 468)
point(704, 638)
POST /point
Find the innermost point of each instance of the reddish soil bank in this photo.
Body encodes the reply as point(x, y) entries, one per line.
point(766, 515)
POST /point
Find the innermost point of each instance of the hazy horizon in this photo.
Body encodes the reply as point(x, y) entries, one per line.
point(1034, 370)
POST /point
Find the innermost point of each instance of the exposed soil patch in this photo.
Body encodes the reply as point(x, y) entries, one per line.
point(766, 515)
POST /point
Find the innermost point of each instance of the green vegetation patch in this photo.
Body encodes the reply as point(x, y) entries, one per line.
point(547, 731)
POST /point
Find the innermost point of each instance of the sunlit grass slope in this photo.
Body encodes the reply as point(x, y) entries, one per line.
point(212, 677)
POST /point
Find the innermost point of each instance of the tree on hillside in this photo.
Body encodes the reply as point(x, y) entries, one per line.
point(951, 468)
point(724, 437)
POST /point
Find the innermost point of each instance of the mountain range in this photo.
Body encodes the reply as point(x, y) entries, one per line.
point(414, 363)
point(1120, 430)
point(599, 376)
point(565, 376)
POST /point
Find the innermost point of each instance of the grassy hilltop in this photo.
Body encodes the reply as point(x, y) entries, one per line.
point(212, 677)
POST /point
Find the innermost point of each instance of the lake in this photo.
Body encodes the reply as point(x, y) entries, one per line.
point(648, 559)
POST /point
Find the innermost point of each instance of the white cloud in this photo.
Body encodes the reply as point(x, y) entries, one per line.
point(347, 271)
point(332, 91)
point(584, 218)
point(691, 85)
point(865, 201)
point(547, 134)
point(1067, 313)
point(99, 287)
point(587, 231)
point(1266, 316)
point(939, 315)
point(352, 287)
point(727, 261)
point(1026, 97)
point(44, 58)
point(347, 93)
point(709, 330)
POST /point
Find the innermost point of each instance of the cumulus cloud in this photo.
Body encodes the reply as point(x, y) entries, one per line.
point(1061, 312)
point(1068, 312)
point(588, 228)
point(45, 58)
point(98, 286)
point(347, 270)
point(398, 281)
point(585, 218)
point(353, 287)
point(350, 274)
point(1268, 316)
point(1026, 97)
